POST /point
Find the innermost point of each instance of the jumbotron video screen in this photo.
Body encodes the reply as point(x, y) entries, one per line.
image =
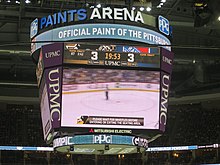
point(110, 98)
point(104, 87)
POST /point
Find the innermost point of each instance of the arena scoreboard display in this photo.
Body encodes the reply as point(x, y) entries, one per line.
point(118, 89)
point(102, 87)
point(112, 55)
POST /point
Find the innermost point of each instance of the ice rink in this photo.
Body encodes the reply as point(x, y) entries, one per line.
point(121, 103)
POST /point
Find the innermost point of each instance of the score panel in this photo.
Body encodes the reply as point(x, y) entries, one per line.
point(112, 55)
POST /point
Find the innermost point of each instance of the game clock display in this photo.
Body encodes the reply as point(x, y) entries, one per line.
point(112, 55)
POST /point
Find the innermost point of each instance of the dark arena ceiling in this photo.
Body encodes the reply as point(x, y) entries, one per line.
point(196, 44)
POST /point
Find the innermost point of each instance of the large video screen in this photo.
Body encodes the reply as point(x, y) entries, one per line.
point(110, 98)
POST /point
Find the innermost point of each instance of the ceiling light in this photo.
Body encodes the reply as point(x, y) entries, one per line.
point(27, 1)
point(219, 18)
point(87, 4)
point(99, 5)
point(8, 1)
point(159, 6)
point(141, 8)
point(163, 1)
point(18, 2)
point(148, 9)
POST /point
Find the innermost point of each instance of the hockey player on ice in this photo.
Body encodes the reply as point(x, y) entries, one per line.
point(106, 92)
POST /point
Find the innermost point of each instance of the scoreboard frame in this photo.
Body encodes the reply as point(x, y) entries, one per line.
point(54, 56)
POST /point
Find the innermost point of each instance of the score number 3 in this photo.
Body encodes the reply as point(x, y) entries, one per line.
point(94, 56)
point(130, 57)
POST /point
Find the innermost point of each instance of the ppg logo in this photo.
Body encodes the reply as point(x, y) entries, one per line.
point(102, 139)
point(163, 24)
point(34, 28)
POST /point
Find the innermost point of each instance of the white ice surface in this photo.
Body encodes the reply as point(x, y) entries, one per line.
point(127, 103)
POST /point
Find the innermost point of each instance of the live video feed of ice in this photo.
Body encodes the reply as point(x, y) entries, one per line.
point(110, 98)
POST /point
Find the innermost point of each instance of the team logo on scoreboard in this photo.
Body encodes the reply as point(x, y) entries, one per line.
point(72, 46)
point(163, 25)
point(130, 49)
point(34, 28)
point(107, 48)
point(82, 119)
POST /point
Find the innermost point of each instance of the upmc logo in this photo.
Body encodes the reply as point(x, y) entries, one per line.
point(163, 25)
point(102, 139)
point(165, 81)
point(34, 28)
point(62, 141)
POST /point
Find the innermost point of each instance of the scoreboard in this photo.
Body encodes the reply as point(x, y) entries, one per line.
point(104, 88)
point(117, 88)
point(112, 55)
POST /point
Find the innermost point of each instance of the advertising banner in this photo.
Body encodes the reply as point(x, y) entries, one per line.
point(101, 31)
point(45, 112)
point(100, 139)
point(52, 55)
point(53, 78)
point(164, 94)
point(167, 60)
point(44, 108)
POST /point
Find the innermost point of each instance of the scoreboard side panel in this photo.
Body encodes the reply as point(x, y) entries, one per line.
point(167, 60)
point(53, 78)
point(164, 94)
point(45, 109)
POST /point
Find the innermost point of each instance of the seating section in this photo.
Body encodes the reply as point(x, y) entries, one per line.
point(20, 125)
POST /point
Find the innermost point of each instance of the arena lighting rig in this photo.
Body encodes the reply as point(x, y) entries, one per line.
point(97, 95)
